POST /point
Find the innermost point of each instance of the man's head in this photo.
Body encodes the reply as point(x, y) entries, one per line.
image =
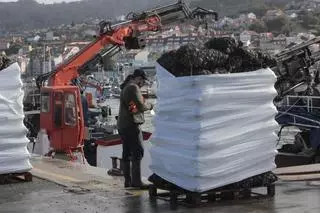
point(139, 77)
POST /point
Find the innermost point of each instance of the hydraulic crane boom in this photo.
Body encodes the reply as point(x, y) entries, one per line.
point(62, 114)
point(126, 34)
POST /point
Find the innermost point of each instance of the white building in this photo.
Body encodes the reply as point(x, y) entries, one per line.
point(247, 36)
point(293, 16)
point(89, 33)
point(252, 16)
point(242, 17)
point(273, 14)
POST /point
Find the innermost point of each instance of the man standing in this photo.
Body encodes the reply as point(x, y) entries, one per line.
point(85, 109)
point(131, 116)
point(90, 149)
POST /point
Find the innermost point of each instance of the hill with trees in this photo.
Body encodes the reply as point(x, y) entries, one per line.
point(28, 14)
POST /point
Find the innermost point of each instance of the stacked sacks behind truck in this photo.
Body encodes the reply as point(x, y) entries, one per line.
point(215, 117)
point(14, 156)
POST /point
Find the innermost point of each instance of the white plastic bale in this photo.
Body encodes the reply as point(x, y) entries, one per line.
point(14, 156)
point(214, 130)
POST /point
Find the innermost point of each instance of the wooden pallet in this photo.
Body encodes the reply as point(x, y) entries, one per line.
point(15, 178)
point(193, 199)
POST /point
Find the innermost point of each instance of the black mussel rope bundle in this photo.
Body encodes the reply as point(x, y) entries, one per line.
point(225, 45)
point(167, 60)
point(4, 62)
point(193, 60)
point(218, 55)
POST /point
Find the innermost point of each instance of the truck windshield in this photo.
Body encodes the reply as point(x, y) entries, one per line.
point(45, 102)
point(70, 115)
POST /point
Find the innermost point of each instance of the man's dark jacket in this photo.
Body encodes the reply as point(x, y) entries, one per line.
point(132, 106)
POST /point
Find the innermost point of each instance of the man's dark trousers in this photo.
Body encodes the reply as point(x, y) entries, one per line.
point(132, 149)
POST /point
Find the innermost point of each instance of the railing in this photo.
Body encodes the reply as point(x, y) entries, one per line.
point(310, 103)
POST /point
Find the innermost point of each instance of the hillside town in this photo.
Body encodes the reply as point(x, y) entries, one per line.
point(39, 51)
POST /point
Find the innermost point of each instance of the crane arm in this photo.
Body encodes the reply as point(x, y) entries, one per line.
point(126, 34)
point(87, 82)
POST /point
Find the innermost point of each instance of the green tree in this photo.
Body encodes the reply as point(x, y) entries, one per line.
point(258, 26)
point(317, 30)
point(278, 25)
point(309, 20)
point(14, 49)
point(286, 29)
point(260, 11)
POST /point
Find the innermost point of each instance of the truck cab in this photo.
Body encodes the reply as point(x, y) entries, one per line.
point(62, 117)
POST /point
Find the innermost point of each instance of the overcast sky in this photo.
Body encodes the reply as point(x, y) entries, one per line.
point(43, 1)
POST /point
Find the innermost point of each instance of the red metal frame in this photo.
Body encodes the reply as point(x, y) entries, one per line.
point(69, 70)
point(115, 35)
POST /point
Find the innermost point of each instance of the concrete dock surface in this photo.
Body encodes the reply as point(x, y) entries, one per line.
point(63, 187)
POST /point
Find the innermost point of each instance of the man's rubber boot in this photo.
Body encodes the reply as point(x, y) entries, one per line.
point(136, 176)
point(126, 174)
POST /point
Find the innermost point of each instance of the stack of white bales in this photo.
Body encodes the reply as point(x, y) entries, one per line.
point(14, 156)
point(214, 130)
